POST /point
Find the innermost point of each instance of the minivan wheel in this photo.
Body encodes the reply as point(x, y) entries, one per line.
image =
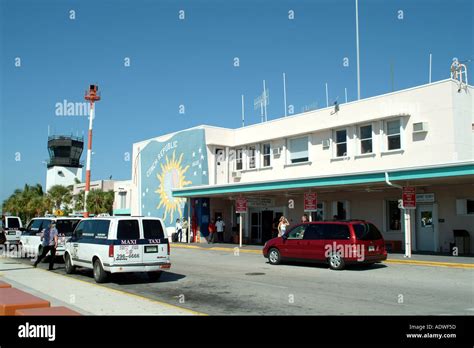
point(274, 256)
point(70, 269)
point(154, 276)
point(100, 275)
point(336, 262)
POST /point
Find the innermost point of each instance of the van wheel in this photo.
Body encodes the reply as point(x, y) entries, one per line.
point(100, 275)
point(274, 256)
point(336, 262)
point(154, 276)
point(70, 269)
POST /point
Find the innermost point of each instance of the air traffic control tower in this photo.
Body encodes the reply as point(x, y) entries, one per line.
point(64, 164)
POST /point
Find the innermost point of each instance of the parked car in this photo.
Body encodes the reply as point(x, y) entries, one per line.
point(12, 227)
point(119, 245)
point(336, 242)
point(30, 239)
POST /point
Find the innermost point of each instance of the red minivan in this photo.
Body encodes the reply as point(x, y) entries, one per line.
point(336, 242)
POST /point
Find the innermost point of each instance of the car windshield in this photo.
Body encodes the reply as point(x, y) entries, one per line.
point(366, 231)
point(66, 227)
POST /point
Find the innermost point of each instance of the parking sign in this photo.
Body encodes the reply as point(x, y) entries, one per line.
point(409, 197)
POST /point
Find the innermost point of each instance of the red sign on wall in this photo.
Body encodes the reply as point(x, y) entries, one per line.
point(409, 197)
point(310, 201)
point(241, 205)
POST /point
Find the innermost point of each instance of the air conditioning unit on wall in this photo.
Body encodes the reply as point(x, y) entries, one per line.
point(326, 143)
point(276, 151)
point(420, 127)
point(236, 175)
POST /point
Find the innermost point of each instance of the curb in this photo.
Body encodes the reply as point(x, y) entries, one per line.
point(394, 261)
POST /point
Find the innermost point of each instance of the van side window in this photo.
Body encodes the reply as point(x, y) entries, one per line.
point(128, 229)
point(312, 232)
point(366, 232)
point(93, 229)
point(101, 229)
point(297, 232)
point(335, 231)
point(152, 229)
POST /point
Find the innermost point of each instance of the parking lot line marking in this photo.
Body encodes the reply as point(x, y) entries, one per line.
point(130, 294)
point(432, 263)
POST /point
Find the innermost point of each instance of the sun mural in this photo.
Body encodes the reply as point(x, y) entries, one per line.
point(172, 177)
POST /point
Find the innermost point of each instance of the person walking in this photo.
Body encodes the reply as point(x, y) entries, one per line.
point(179, 231)
point(220, 227)
point(282, 226)
point(185, 229)
point(49, 242)
point(212, 232)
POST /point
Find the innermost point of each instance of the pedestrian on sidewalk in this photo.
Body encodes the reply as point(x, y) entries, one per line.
point(185, 229)
point(49, 242)
point(220, 227)
point(179, 231)
point(212, 232)
point(282, 226)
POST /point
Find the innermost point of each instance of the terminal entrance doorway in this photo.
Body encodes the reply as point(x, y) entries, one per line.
point(261, 224)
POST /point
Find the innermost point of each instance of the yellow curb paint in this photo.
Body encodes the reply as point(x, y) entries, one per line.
point(130, 294)
point(409, 262)
point(217, 249)
point(432, 263)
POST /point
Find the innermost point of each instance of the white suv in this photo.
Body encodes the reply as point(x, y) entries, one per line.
point(13, 228)
point(30, 240)
point(119, 245)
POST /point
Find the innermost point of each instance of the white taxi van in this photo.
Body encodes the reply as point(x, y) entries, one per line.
point(13, 227)
point(30, 240)
point(119, 245)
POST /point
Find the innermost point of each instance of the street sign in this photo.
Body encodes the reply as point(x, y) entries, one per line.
point(310, 201)
point(409, 197)
point(241, 205)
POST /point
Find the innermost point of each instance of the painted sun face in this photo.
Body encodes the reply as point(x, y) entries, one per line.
point(172, 176)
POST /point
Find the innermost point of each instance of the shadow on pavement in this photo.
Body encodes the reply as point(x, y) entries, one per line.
point(350, 267)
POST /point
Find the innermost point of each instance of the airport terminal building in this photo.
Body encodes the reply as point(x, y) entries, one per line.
point(355, 159)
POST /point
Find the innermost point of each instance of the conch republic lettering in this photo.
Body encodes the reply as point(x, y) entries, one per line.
point(169, 146)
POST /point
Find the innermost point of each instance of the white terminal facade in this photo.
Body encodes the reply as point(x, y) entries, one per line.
point(421, 137)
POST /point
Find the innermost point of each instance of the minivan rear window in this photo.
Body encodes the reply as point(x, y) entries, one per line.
point(66, 227)
point(152, 229)
point(13, 223)
point(366, 231)
point(128, 229)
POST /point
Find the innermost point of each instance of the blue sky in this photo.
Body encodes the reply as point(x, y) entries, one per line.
point(190, 62)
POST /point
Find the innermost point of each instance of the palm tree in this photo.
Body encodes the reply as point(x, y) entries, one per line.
point(60, 195)
point(99, 202)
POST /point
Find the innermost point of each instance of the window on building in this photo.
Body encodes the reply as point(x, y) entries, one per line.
point(266, 155)
point(365, 139)
point(238, 159)
point(251, 157)
point(341, 143)
point(123, 200)
point(393, 216)
point(465, 206)
point(318, 215)
point(298, 150)
point(393, 135)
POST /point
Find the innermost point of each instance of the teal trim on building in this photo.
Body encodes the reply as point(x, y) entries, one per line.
point(426, 173)
point(122, 212)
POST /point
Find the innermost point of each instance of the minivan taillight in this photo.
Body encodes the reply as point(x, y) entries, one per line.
point(111, 250)
point(169, 248)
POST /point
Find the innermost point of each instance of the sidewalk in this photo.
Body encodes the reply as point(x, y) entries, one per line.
point(416, 259)
point(82, 296)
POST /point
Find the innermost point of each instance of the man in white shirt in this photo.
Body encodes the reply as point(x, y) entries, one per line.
point(220, 227)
